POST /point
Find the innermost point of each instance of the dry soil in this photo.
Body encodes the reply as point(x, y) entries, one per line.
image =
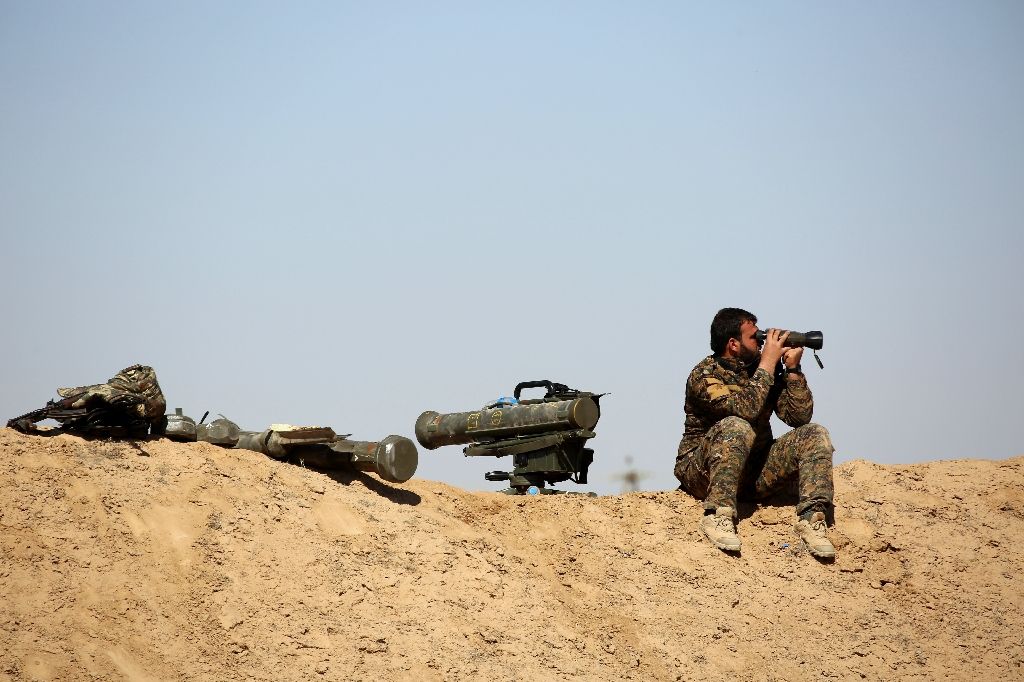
point(168, 561)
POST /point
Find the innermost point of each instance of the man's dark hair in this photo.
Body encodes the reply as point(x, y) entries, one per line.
point(726, 325)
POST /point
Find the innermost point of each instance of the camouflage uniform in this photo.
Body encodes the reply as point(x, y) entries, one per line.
point(130, 404)
point(134, 390)
point(728, 452)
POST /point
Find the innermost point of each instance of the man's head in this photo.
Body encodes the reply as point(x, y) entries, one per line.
point(732, 334)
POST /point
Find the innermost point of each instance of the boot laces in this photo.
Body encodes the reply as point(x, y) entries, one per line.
point(724, 523)
point(817, 525)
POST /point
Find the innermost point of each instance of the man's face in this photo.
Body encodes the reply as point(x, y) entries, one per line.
point(750, 349)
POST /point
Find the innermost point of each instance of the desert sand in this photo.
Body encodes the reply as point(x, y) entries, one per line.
point(168, 561)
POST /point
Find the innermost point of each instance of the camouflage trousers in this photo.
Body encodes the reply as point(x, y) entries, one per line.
point(722, 469)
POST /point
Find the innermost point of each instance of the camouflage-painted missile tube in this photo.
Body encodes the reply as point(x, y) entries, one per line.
point(434, 430)
point(393, 458)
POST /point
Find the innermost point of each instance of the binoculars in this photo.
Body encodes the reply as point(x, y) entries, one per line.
point(812, 340)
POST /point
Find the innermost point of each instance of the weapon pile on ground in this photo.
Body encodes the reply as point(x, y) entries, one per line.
point(131, 406)
point(545, 437)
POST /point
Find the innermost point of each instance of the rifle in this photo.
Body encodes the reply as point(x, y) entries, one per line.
point(59, 410)
point(99, 420)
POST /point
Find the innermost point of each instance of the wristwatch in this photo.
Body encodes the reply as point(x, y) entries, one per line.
point(794, 370)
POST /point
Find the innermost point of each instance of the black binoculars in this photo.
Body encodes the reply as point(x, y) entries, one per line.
point(812, 340)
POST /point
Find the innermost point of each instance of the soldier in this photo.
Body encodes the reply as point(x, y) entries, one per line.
point(728, 452)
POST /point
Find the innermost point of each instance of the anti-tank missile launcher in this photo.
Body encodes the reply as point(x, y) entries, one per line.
point(545, 436)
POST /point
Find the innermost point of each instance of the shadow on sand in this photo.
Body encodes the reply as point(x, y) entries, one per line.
point(347, 476)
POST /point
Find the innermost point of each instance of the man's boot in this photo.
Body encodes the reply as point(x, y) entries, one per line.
point(719, 528)
point(812, 532)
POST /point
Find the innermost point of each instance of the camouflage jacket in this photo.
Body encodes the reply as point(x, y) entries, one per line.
point(134, 390)
point(722, 387)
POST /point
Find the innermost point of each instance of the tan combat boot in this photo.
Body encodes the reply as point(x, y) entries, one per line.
point(720, 529)
point(812, 532)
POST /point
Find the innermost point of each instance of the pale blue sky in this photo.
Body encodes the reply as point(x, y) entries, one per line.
point(347, 214)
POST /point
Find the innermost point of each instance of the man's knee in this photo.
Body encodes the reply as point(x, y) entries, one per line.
point(733, 429)
point(816, 438)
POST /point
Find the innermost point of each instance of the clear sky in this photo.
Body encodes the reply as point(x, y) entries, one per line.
point(349, 213)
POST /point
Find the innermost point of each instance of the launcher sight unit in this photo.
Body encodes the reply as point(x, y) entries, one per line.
point(544, 436)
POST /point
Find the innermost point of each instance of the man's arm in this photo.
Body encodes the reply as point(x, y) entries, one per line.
point(795, 405)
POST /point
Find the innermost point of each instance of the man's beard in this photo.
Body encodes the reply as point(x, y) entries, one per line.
point(749, 357)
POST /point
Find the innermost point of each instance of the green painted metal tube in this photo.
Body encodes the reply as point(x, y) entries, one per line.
point(434, 430)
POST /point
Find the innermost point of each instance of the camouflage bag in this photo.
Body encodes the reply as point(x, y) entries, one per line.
point(129, 405)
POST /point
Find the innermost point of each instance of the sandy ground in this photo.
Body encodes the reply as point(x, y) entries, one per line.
point(168, 561)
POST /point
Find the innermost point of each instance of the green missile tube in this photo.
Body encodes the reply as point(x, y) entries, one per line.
point(393, 458)
point(435, 430)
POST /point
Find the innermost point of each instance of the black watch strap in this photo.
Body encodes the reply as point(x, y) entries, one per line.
point(794, 370)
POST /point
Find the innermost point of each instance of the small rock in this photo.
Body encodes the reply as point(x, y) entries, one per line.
point(376, 646)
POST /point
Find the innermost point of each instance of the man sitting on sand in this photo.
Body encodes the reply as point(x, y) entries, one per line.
point(728, 452)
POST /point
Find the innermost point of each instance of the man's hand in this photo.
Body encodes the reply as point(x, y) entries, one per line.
point(791, 357)
point(773, 349)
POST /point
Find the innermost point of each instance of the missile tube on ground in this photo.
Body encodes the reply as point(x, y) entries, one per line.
point(393, 458)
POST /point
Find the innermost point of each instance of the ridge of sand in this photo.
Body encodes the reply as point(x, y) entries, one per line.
point(170, 561)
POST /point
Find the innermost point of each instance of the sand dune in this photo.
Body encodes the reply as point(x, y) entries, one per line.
point(169, 561)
